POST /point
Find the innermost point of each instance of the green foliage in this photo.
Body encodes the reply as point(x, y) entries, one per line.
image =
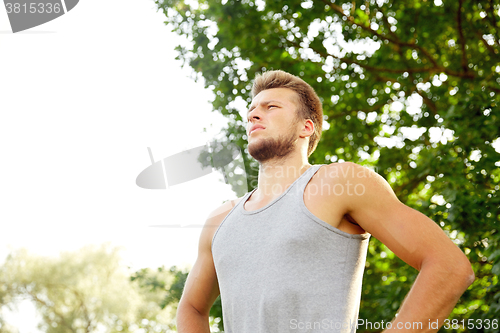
point(171, 292)
point(169, 283)
point(83, 291)
point(410, 87)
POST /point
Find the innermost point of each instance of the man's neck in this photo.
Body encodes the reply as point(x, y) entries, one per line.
point(276, 175)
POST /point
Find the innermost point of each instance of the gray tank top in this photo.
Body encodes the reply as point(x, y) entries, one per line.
point(282, 269)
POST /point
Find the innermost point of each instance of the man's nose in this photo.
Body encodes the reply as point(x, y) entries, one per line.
point(254, 115)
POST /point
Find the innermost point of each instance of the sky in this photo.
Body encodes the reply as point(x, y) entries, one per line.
point(81, 99)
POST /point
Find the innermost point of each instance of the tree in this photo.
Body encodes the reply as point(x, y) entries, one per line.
point(155, 282)
point(84, 291)
point(409, 87)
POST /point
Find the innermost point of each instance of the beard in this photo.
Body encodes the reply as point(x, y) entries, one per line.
point(273, 148)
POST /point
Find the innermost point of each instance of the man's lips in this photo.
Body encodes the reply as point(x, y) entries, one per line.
point(256, 128)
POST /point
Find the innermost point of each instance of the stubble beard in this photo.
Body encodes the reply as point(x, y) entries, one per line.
point(273, 148)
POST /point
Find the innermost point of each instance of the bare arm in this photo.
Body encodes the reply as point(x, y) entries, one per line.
point(201, 289)
point(444, 271)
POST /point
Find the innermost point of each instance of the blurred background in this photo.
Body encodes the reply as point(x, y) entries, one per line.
point(409, 88)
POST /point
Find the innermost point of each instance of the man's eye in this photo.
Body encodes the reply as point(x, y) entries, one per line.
point(273, 106)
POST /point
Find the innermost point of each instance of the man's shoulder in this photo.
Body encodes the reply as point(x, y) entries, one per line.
point(348, 182)
point(218, 214)
point(215, 218)
point(353, 184)
point(345, 171)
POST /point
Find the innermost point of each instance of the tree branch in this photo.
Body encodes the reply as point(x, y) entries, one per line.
point(461, 36)
point(395, 40)
point(62, 319)
point(490, 48)
point(410, 186)
point(339, 10)
point(376, 69)
point(436, 68)
point(388, 26)
point(492, 18)
point(89, 328)
point(495, 89)
point(428, 102)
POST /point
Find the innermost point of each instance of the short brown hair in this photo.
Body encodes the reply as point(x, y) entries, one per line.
point(309, 103)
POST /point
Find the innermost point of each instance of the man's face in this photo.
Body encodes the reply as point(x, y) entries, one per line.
point(273, 124)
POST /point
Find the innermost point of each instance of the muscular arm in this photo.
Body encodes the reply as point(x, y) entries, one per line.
point(201, 288)
point(444, 271)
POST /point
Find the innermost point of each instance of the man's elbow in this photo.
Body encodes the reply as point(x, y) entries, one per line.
point(455, 271)
point(186, 308)
point(470, 275)
point(464, 274)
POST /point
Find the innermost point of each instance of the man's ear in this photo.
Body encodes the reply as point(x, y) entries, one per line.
point(307, 128)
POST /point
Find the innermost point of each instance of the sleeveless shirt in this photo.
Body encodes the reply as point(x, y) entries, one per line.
point(282, 269)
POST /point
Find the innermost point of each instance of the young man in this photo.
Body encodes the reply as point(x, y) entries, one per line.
point(289, 255)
